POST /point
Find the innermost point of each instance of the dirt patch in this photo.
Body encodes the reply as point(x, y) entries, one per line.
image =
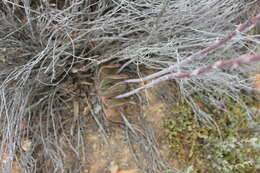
point(104, 152)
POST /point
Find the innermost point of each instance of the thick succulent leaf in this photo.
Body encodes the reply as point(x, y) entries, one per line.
point(107, 70)
point(117, 76)
point(114, 90)
point(107, 83)
point(111, 103)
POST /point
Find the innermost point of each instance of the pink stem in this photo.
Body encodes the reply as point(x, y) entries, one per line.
point(217, 65)
point(240, 28)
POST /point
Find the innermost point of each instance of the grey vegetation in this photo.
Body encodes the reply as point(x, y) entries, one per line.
point(43, 41)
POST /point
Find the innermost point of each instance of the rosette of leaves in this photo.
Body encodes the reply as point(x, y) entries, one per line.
point(109, 85)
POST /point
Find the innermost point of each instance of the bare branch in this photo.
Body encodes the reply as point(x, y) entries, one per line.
point(248, 24)
point(217, 65)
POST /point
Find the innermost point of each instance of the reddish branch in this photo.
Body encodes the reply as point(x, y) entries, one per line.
point(240, 28)
point(220, 64)
point(217, 65)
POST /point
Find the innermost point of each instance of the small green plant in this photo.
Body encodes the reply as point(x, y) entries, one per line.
point(234, 155)
point(234, 150)
point(108, 85)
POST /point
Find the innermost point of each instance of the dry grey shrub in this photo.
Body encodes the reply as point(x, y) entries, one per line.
point(41, 41)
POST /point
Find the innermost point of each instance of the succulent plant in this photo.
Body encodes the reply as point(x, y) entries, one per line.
point(108, 86)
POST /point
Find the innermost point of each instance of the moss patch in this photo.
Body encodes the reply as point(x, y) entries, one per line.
point(235, 149)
